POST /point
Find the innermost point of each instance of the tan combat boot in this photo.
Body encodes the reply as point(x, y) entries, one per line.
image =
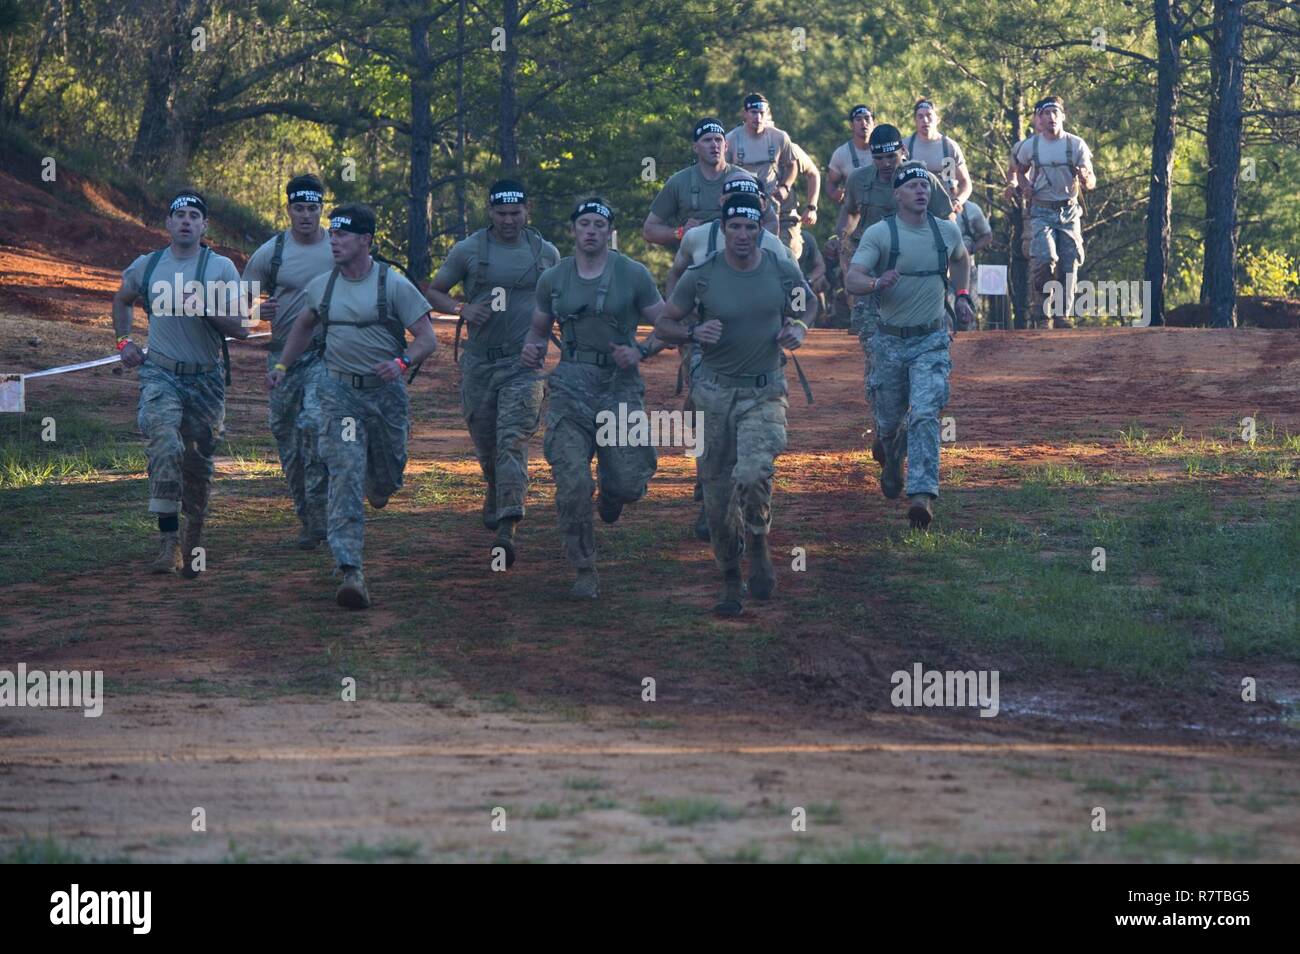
point(505, 539)
point(168, 559)
point(490, 507)
point(920, 513)
point(586, 586)
point(352, 593)
point(730, 604)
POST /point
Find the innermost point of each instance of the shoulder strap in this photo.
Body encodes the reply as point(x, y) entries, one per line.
point(148, 276)
point(277, 259)
point(947, 148)
point(893, 243)
point(478, 274)
point(1033, 141)
point(911, 145)
point(714, 228)
point(696, 176)
point(853, 154)
point(602, 288)
point(771, 147)
point(1069, 151)
point(940, 248)
point(323, 312)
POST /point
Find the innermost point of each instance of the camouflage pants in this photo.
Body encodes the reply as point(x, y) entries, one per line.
point(792, 237)
point(362, 440)
point(909, 379)
point(295, 420)
point(502, 406)
point(1055, 254)
point(579, 392)
point(744, 433)
point(183, 416)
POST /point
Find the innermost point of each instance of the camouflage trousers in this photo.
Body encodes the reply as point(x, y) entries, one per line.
point(744, 433)
point(183, 416)
point(362, 441)
point(908, 387)
point(502, 405)
point(578, 393)
point(295, 420)
point(1055, 254)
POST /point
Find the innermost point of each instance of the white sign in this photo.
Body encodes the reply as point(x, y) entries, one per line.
point(992, 280)
point(11, 393)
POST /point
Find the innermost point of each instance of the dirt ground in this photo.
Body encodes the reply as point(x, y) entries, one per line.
point(478, 693)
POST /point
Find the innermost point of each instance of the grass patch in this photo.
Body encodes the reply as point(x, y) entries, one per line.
point(40, 851)
point(391, 849)
point(688, 811)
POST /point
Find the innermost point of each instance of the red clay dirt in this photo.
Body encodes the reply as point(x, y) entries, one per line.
point(529, 703)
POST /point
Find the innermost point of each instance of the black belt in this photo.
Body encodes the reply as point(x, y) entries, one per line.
point(494, 354)
point(910, 331)
point(601, 359)
point(742, 380)
point(180, 367)
point(1054, 204)
point(358, 380)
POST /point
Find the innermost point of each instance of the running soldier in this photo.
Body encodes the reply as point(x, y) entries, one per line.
point(597, 296)
point(1015, 196)
point(976, 235)
point(191, 295)
point(497, 269)
point(365, 310)
point(1054, 166)
point(905, 258)
point(282, 267)
point(852, 155)
point(691, 196)
point(765, 152)
point(749, 301)
point(793, 218)
point(941, 155)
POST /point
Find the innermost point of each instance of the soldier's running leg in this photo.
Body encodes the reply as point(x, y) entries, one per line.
point(201, 428)
point(569, 446)
point(519, 409)
point(1068, 236)
point(1042, 265)
point(387, 426)
point(623, 473)
point(315, 473)
point(888, 387)
point(342, 441)
point(478, 404)
point(928, 368)
point(868, 314)
point(760, 438)
point(159, 420)
point(717, 468)
point(284, 407)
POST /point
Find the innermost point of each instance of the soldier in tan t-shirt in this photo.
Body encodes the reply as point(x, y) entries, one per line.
point(852, 155)
point(690, 196)
point(941, 155)
point(366, 309)
point(758, 147)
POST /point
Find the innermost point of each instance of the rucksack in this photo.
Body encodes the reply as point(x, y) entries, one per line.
point(1039, 164)
point(205, 253)
point(568, 334)
point(944, 140)
point(940, 248)
point(381, 309)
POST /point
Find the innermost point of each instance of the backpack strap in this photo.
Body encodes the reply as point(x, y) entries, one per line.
point(148, 276)
point(910, 142)
point(947, 148)
point(853, 154)
point(714, 228)
point(277, 259)
point(771, 148)
point(695, 187)
point(323, 312)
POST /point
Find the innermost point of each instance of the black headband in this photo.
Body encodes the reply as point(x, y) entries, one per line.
point(857, 111)
point(348, 223)
point(923, 104)
point(507, 197)
point(305, 195)
point(755, 101)
point(907, 173)
point(743, 186)
point(189, 200)
point(1048, 102)
point(885, 148)
point(592, 205)
point(738, 210)
point(706, 126)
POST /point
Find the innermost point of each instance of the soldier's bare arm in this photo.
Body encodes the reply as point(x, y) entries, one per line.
point(123, 301)
point(658, 231)
point(534, 351)
point(675, 273)
point(299, 337)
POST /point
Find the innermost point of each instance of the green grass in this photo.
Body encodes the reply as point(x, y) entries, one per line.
point(390, 849)
point(688, 811)
point(42, 851)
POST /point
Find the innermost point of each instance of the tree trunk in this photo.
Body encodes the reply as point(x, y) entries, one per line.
point(1159, 203)
point(37, 59)
point(1218, 283)
point(160, 140)
point(462, 222)
point(509, 66)
point(1018, 272)
point(420, 221)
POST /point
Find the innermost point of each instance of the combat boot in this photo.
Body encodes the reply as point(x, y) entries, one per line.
point(586, 586)
point(878, 451)
point(352, 593)
point(309, 539)
point(505, 539)
point(891, 471)
point(762, 576)
point(920, 513)
point(730, 605)
point(376, 501)
point(168, 559)
point(702, 525)
point(189, 540)
point(609, 510)
point(490, 508)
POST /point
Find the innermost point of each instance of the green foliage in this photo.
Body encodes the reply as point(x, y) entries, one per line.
point(1268, 272)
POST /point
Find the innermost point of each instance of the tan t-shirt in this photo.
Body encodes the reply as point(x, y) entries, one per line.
point(695, 243)
point(973, 223)
point(765, 156)
point(750, 306)
point(931, 152)
point(1052, 176)
point(173, 333)
point(514, 268)
point(914, 299)
point(299, 265)
point(631, 291)
point(842, 159)
point(871, 198)
point(689, 195)
point(357, 350)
